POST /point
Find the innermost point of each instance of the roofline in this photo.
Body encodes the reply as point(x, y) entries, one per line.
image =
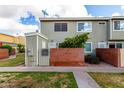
point(74, 18)
point(7, 35)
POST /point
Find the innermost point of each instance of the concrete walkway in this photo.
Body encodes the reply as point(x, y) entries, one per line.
point(80, 73)
point(84, 80)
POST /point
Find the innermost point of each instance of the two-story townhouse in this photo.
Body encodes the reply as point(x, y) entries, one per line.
point(105, 32)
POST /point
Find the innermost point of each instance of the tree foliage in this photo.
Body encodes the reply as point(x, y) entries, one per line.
point(75, 42)
point(21, 48)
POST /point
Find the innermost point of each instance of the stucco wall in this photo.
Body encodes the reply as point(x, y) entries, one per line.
point(122, 57)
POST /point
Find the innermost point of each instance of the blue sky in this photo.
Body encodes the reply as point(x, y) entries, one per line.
point(104, 10)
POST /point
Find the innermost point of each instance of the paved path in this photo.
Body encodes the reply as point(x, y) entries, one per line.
point(84, 80)
point(80, 73)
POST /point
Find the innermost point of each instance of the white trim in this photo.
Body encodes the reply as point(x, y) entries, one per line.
point(115, 44)
point(83, 22)
point(105, 43)
point(26, 63)
point(36, 33)
point(91, 48)
point(113, 26)
point(37, 53)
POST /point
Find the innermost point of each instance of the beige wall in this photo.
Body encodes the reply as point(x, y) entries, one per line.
point(122, 57)
point(99, 31)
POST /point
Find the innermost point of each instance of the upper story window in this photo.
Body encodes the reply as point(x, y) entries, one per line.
point(60, 27)
point(119, 25)
point(84, 27)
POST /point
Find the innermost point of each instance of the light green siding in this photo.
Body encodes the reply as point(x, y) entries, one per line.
point(99, 31)
point(116, 35)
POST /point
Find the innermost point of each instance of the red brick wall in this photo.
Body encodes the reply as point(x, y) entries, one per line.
point(4, 53)
point(66, 57)
point(109, 55)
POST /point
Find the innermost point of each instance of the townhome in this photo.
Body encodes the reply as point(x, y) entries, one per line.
point(105, 32)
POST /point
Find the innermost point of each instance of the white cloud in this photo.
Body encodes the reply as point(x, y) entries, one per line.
point(116, 14)
point(12, 26)
point(10, 14)
point(122, 7)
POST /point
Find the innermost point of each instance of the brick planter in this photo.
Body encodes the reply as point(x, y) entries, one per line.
point(66, 57)
point(4, 53)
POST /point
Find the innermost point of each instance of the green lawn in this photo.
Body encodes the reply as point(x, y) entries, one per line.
point(13, 62)
point(108, 80)
point(37, 80)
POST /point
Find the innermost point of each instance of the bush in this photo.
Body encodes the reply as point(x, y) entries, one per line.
point(21, 48)
point(7, 47)
point(75, 42)
point(92, 59)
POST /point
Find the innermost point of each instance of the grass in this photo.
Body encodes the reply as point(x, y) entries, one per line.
point(13, 62)
point(108, 80)
point(37, 80)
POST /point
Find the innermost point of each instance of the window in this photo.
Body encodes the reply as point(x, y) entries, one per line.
point(60, 27)
point(88, 47)
point(119, 25)
point(115, 45)
point(102, 45)
point(84, 27)
point(118, 45)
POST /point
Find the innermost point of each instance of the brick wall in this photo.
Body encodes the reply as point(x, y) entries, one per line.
point(4, 53)
point(109, 55)
point(66, 57)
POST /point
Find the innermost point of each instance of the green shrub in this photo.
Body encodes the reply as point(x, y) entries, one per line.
point(21, 48)
point(7, 47)
point(92, 59)
point(75, 42)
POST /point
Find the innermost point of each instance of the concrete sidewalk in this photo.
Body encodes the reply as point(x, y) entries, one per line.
point(62, 69)
point(80, 73)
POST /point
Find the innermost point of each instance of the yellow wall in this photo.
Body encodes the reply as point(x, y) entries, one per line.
point(7, 38)
point(12, 39)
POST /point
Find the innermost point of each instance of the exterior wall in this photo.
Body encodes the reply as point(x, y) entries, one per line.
point(42, 44)
point(7, 38)
point(66, 57)
point(31, 53)
point(109, 55)
point(4, 53)
point(122, 57)
point(99, 31)
point(116, 35)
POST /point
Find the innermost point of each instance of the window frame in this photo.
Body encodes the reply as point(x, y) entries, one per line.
point(61, 27)
point(105, 43)
point(84, 30)
point(114, 25)
point(91, 48)
point(115, 44)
